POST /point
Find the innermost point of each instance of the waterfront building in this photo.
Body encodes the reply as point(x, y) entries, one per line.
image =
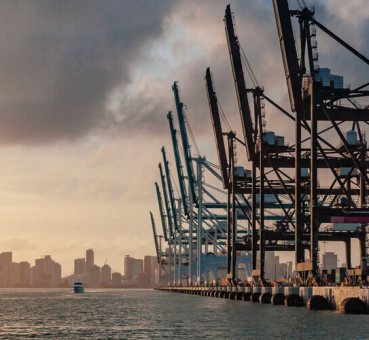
point(150, 265)
point(57, 273)
point(25, 273)
point(46, 272)
point(6, 258)
point(274, 270)
point(105, 275)
point(14, 275)
point(116, 280)
point(89, 259)
point(79, 266)
point(132, 268)
point(94, 276)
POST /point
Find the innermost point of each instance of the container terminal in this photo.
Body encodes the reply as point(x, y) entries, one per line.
point(285, 197)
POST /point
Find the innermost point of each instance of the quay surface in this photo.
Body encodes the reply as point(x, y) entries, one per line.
point(350, 300)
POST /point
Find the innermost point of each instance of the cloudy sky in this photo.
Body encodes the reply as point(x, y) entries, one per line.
point(84, 90)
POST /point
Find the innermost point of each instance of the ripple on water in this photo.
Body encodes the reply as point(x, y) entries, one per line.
point(142, 314)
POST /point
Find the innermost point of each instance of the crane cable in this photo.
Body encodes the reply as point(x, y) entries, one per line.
point(192, 135)
point(224, 117)
point(248, 68)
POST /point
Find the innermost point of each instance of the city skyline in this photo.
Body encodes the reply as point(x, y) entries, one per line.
point(132, 269)
point(79, 265)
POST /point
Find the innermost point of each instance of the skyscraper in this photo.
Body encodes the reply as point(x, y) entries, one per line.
point(79, 266)
point(132, 268)
point(116, 280)
point(14, 275)
point(6, 259)
point(105, 275)
point(46, 272)
point(94, 276)
point(25, 273)
point(89, 259)
point(150, 265)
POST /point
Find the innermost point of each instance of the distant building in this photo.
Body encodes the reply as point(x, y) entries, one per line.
point(79, 266)
point(271, 263)
point(116, 280)
point(105, 275)
point(329, 261)
point(273, 269)
point(14, 275)
point(89, 259)
point(132, 268)
point(94, 276)
point(46, 272)
point(6, 258)
point(282, 271)
point(57, 273)
point(150, 265)
point(25, 273)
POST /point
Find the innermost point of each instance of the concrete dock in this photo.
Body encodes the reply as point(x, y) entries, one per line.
point(350, 300)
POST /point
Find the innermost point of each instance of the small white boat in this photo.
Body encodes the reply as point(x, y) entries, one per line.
point(78, 287)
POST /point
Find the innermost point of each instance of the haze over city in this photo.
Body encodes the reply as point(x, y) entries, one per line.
point(84, 93)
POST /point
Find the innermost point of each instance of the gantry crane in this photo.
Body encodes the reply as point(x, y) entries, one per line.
point(316, 95)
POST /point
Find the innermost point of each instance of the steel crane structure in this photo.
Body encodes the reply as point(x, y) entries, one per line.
point(324, 107)
point(293, 196)
point(266, 152)
point(192, 221)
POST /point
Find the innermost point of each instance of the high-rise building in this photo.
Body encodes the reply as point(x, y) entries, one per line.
point(57, 273)
point(25, 273)
point(79, 266)
point(150, 264)
point(14, 275)
point(271, 263)
point(116, 280)
point(94, 276)
point(89, 259)
point(329, 261)
point(105, 275)
point(273, 269)
point(46, 272)
point(6, 258)
point(132, 268)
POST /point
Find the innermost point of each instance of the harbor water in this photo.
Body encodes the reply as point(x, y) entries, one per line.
point(148, 314)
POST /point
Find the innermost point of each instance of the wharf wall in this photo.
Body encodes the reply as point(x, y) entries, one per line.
point(334, 296)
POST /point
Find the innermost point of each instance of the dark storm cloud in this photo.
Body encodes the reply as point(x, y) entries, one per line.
point(150, 107)
point(256, 29)
point(60, 60)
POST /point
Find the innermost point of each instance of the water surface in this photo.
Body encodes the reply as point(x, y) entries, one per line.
point(147, 314)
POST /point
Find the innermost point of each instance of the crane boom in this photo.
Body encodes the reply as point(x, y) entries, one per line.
point(161, 210)
point(170, 189)
point(289, 54)
point(181, 180)
point(293, 78)
point(166, 201)
point(155, 236)
point(243, 104)
point(185, 142)
point(217, 127)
